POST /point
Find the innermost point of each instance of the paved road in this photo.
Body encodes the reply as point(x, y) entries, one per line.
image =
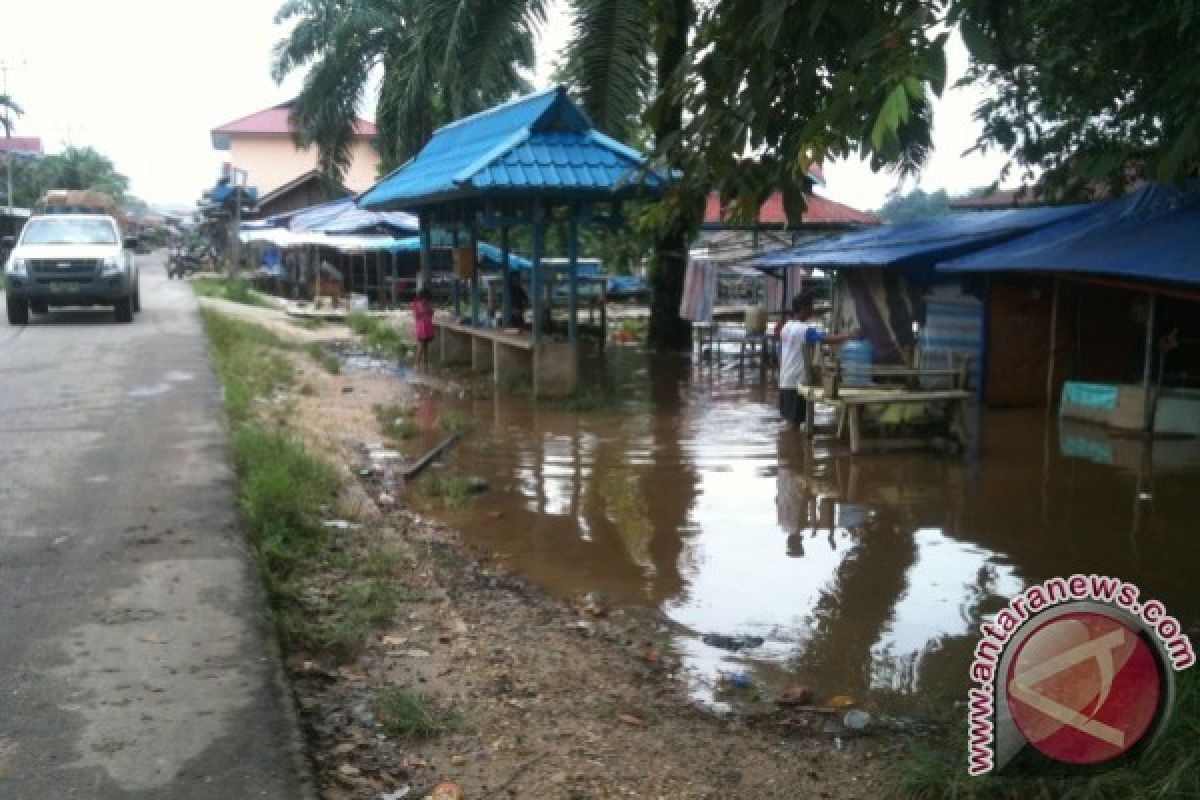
point(134, 655)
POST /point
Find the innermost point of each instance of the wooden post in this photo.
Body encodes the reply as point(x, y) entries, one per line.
point(474, 276)
point(456, 287)
point(603, 313)
point(572, 277)
point(506, 290)
point(392, 277)
point(1148, 364)
point(425, 280)
point(535, 280)
point(1053, 349)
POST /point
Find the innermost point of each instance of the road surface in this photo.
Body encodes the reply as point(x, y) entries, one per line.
point(135, 658)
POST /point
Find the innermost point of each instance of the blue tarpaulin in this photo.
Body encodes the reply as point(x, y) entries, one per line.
point(487, 252)
point(916, 244)
point(1152, 234)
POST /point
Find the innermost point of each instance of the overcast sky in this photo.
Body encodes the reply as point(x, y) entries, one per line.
point(144, 81)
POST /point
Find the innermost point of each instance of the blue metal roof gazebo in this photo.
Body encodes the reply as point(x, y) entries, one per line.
point(532, 161)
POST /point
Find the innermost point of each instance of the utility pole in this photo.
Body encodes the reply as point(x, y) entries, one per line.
point(8, 153)
point(238, 179)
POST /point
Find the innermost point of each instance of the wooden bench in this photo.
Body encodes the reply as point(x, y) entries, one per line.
point(825, 386)
point(550, 366)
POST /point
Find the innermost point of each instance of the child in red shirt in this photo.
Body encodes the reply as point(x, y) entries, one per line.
point(422, 311)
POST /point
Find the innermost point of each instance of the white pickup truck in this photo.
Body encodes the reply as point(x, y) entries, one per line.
point(71, 260)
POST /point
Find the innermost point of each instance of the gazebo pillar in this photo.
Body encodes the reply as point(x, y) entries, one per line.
point(573, 277)
point(505, 289)
point(535, 277)
point(474, 239)
point(426, 276)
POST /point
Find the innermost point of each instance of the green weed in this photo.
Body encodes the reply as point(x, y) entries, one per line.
point(363, 605)
point(328, 361)
point(395, 422)
point(282, 487)
point(247, 359)
point(235, 290)
point(449, 421)
point(411, 715)
point(454, 492)
point(378, 335)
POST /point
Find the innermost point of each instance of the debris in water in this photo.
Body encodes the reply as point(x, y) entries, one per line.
point(733, 643)
point(842, 701)
point(856, 719)
point(740, 680)
point(795, 696)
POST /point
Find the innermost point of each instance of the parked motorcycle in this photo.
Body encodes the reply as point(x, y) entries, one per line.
point(185, 261)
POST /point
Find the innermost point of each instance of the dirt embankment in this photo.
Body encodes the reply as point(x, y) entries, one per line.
point(483, 681)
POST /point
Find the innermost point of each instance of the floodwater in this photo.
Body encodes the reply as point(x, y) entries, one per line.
point(863, 575)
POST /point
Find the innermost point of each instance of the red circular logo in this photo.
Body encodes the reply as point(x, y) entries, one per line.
point(1083, 688)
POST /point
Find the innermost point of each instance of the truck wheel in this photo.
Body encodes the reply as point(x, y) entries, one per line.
point(18, 311)
point(124, 309)
point(38, 307)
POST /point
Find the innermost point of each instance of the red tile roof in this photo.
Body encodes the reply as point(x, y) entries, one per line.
point(276, 120)
point(21, 144)
point(819, 211)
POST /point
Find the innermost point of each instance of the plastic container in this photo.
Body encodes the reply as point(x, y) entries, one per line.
point(756, 320)
point(856, 362)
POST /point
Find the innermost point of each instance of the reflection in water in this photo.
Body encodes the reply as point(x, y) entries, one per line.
point(863, 575)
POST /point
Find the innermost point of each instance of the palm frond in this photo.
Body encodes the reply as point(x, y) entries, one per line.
point(609, 60)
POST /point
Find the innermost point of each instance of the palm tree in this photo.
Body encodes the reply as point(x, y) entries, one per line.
point(622, 52)
point(441, 59)
point(83, 168)
point(10, 109)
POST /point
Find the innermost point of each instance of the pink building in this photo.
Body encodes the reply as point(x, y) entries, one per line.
point(21, 145)
point(262, 145)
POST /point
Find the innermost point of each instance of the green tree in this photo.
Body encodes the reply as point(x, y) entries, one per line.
point(8, 109)
point(771, 87)
point(621, 55)
point(915, 205)
point(441, 59)
point(1087, 96)
point(82, 168)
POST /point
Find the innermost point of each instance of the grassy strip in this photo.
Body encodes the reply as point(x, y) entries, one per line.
point(234, 290)
point(284, 490)
point(282, 486)
point(328, 361)
point(378, 335)
point(937, 769)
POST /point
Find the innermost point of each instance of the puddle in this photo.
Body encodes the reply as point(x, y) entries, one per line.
point(862, 575)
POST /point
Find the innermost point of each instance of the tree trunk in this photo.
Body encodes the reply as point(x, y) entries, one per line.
point(667, 330)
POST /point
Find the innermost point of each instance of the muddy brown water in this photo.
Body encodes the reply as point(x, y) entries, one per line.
point(863, 575)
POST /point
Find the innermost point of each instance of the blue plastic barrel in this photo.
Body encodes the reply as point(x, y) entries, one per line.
point(856, 362)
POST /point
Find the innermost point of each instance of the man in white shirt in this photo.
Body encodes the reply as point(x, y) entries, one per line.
point(800, 330)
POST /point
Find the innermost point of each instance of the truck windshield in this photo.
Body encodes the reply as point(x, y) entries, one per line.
point(68, 230)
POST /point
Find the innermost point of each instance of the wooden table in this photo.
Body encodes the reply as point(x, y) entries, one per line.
point(850, 401)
